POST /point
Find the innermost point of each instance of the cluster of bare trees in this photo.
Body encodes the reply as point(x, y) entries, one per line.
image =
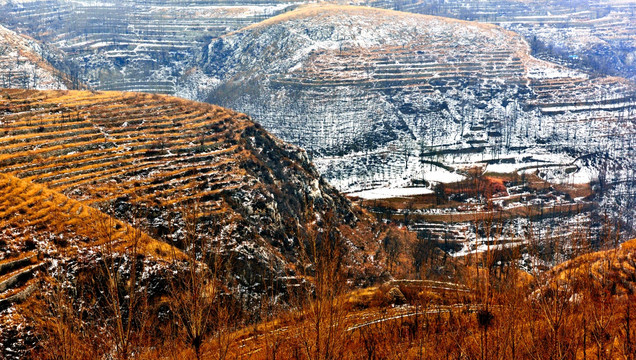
point(111, 312)
point(500, 313)
point(323, 306)
point(579, 314)
point(108, 309)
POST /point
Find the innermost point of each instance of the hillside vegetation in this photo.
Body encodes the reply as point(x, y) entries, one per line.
point(484, 170)
point(500, 313)
point(22, 64)
point(45, 235)
point(190, 181)
point(112, 150)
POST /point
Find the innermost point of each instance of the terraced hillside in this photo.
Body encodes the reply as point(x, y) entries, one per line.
point(22, 64)
point(523, 309)
point(38, 222)
point(598, 38)
point(596, 35)
point(415, 101)
point(131, 45)
point(145, 157)
point(614, 267)
point(44, 234)
point(389, 103)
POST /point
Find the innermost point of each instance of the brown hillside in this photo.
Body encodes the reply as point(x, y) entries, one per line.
point(43, 232)
point(119, 151)
point(611, 270)
point(73, 163)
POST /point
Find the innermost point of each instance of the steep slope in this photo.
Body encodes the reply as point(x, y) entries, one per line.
point(388, 98)
point(612, 270)
point(131, 45)
point(44, 234)
point(596, 35)
point(146, 157)
point(22, 65)
point(36, 219)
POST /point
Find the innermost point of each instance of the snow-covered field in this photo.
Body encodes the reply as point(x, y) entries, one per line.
point(384, 193)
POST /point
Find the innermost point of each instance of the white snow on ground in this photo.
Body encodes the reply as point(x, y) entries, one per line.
point(620, 105)
point(441, 175)
point(583, 175)
point(557, 115)
point(4, 2)
point(22, 64)
point(470, 249)
point(385, 193)
point(538, 69)
point(227, 11)
point(506, 168)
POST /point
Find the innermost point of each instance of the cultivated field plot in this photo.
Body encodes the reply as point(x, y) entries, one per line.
point(98, 146)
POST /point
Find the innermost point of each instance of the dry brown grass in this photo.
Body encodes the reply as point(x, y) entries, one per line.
point(519, 317)
point(78, 142)
point(319, 11)
point(33, 208)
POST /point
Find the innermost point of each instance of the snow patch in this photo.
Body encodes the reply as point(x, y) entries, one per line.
point(385, 193)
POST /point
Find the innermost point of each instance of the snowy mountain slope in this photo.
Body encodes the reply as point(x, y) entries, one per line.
point(22, 65)
point(147, 45)
point(131, 45)
point(381, 97)
point(596, 35)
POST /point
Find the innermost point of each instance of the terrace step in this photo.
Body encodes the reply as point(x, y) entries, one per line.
point(9, 265)
point(20, 295)
point(17, 278)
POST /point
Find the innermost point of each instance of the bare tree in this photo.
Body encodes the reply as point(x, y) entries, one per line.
point(126, 313)
point(196, 292)
point(60, 324)
point(324, 308)
point(391, 245)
